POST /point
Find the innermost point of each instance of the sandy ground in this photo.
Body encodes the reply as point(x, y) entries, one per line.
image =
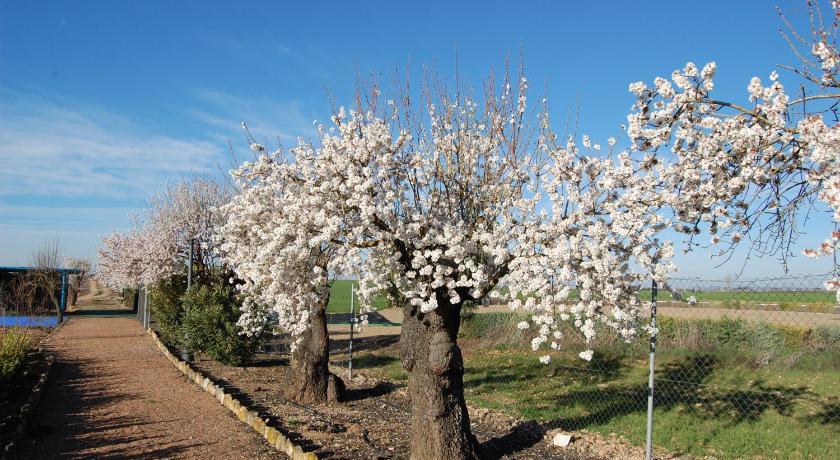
point(97, 297)
point(111, 394)
point(786, 318)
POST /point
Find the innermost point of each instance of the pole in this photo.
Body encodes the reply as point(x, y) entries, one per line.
point(190, 264)
point(139, 303)
point(146, 313)
point(63, 296)
point(352, 327)
point(649, 443)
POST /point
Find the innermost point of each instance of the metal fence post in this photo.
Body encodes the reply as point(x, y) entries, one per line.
point(649, 443)
point(147, 314)
point(352, 327)
point(63, 300)
point(190, 264)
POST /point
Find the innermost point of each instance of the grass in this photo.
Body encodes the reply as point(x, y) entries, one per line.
point(729, 388)
point(14, 346)
point(340, 297)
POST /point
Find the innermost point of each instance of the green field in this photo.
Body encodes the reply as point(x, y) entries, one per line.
point(729, 388)
point(340, 297)
point(815, 300)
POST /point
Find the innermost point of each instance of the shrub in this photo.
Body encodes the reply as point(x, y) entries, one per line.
point(209, 325)
point(14, 345)
point(129, 298)
point(165, 302)
point(825, 338)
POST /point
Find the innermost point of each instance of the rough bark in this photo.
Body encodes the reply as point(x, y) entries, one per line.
point(440, 424)
point(312, 382)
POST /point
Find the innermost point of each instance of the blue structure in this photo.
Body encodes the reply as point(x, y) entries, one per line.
point(40, 321)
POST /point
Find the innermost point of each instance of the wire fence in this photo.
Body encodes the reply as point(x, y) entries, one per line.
point(743, 368)
point(740, 364)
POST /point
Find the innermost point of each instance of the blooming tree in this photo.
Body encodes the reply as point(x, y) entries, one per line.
point(443, 208)
point(159, 242)
point(135, 258)
point(273, 239)
point(749, 170)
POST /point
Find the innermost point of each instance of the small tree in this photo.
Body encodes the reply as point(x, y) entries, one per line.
point(444, 209)
point(155, 252)
point(77, 280)
point(158, 245)
point(44, 280)
point(273, 239)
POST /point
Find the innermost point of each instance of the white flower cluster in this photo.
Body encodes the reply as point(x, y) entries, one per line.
point(741, 170)
point(158, 245)
point(443, 212)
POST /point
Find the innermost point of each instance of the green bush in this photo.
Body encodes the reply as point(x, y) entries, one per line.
point(129, 298)
point(14, 345)
point(825, 338)
point(209, 325)
point(165, 302)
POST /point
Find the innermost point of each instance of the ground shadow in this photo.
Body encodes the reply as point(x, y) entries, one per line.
point(374, 319)
point(65, 422)
point(601, 369)
point(682, 383)
point(267, 415)
point(371, 343)
point(380, 389)
point(829, 414)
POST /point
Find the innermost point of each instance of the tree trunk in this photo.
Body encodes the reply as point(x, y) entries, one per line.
point(312, 382)
point(440, 424)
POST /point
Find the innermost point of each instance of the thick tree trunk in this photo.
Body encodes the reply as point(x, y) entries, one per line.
point(312, 382)
point(440, 424)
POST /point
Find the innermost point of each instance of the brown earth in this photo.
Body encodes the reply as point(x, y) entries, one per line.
point(96, 296)
point(111, 394)
point(374, 420)
point(803, 319)
point(15, 393)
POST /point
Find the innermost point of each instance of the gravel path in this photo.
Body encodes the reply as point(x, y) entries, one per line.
point(111, 394)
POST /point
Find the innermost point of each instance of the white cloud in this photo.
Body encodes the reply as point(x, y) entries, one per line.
point(78, 228)
point(268, 120)
point(52, 150)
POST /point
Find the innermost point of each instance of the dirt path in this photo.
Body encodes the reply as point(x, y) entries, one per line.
point(111, 394)
point(98, 297)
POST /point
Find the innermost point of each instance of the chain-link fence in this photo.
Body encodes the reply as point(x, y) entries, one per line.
point(744, 368)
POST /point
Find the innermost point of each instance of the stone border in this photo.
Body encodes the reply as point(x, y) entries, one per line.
point(272, 435)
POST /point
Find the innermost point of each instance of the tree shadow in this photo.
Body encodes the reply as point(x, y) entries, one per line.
point(374, 319)
point(266, 414)
point(829, 414)
point(601, 369)
point(683, 383)
point(370, 343)
point(68, 419)
point(380, 389)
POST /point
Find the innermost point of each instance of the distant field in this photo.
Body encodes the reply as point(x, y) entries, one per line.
point(784, 299)
point(820, 297)
point(340, 297)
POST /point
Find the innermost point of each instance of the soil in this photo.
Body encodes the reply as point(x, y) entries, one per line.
point(17, 392)
point(111, 394)
point(373, 422)
point(96, 297)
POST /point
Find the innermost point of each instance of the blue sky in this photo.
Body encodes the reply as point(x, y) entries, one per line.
point(102, 102)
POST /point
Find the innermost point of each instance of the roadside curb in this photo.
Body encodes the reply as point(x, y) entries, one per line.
point(272, 436)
